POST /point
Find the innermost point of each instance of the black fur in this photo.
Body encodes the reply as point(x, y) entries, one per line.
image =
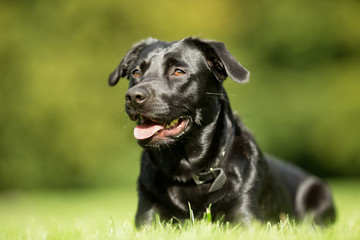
point(256, 187)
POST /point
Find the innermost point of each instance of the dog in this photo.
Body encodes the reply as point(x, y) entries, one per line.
point(197, 153)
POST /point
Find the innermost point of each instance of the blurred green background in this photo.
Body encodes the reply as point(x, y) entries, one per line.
point(62, 126)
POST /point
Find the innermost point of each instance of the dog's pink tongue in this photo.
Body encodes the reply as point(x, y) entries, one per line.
point(146, 130)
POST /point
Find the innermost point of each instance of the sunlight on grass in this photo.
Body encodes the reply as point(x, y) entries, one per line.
point(108, 214)
point(102, 229)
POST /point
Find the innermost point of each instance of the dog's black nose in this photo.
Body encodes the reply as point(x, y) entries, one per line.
point(136, 97)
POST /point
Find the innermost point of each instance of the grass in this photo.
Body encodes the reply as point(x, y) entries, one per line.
point(108, 214)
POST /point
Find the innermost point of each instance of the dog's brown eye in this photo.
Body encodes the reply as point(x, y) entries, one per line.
point(178, 72)
point(136, 73)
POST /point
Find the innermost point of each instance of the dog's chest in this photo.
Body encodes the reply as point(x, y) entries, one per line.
point(197, 196)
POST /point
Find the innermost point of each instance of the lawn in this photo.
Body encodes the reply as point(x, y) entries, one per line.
point(108, 214)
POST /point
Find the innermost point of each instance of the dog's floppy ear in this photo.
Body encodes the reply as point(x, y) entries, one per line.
point(128, 60)
point(232, 66)
point(221, 61)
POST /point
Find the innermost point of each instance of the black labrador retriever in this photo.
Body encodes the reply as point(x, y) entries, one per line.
point(196, 151)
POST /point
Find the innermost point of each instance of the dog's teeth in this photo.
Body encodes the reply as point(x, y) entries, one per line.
point(174, 123)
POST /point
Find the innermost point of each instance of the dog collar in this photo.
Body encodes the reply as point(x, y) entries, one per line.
point(216, 174)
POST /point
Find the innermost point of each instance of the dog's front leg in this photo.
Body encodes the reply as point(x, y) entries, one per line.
point(248, 207)
point(146, 212)
point(245, 212)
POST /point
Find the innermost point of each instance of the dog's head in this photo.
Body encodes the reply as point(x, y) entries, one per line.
point(175, 88)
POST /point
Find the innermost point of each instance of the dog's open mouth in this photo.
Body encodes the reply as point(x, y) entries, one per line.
point(147, 128)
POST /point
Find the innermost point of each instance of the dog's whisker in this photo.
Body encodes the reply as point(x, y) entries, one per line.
point(218, 94)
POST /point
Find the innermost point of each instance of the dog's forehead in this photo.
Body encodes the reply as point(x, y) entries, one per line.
point(162, 51)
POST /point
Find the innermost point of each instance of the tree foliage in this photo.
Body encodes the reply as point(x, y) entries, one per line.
point(62, 126)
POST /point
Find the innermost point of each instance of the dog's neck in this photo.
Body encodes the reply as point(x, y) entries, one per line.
point(196, 155)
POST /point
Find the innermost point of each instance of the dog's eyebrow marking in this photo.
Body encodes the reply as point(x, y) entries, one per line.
point(144, 65)
point(172, 62)
point(173, 59)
